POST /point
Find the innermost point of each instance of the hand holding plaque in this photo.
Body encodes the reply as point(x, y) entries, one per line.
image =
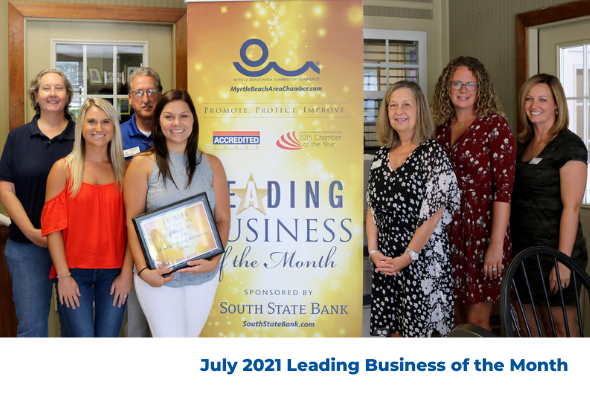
point(179, 233)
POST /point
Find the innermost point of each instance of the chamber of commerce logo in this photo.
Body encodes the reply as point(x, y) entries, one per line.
point(289, 142)
point(271, 65)
point(236, 139)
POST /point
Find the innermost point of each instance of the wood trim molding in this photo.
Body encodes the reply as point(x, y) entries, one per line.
point(181, 53)
point(524, 21)
point(16, 67)
point(18, 11)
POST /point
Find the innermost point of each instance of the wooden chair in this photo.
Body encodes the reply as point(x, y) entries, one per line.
point(523, 268)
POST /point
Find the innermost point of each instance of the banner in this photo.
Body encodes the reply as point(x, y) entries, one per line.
point(278, 91)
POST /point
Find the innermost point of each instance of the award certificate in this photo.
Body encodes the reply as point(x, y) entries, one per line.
point(173, 235)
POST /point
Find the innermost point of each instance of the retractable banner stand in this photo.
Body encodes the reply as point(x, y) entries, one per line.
point(278, 91)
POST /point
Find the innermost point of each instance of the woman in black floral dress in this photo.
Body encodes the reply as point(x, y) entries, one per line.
point(411, 188)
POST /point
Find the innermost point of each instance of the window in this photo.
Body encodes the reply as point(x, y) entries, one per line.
point(389, 56)
point(574, 75)
point(99, 69)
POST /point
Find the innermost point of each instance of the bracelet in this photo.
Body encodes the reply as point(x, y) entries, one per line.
point(63, 276)
point(144, 268)
point(371, 253)
point(413, 255)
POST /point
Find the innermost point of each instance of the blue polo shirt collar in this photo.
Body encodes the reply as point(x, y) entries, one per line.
point(134, 128)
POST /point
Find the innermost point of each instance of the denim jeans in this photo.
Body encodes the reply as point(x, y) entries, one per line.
point(104, 320)
point(29, 267)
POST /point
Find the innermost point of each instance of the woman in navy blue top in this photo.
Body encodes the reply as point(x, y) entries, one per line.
point(29, 154)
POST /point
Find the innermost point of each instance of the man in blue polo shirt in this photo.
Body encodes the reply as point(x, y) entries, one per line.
point(145, 90)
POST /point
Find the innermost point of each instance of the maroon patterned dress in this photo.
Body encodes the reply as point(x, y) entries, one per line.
point(484, 161)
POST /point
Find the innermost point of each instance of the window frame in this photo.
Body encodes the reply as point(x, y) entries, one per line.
point(585, 97)
point(114, 95)
point(395, 35)
point(400, 35)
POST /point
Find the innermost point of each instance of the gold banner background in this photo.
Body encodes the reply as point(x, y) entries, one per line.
point(328, 125)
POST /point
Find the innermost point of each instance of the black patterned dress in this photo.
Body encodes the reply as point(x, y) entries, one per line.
point(419, 300)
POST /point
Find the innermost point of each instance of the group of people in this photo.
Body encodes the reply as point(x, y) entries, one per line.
point(452, 197)
point(71, 196)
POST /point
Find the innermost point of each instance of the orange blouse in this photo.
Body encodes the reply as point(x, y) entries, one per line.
point(93, 225)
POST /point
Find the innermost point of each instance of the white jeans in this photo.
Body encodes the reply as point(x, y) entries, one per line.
point(176, 311)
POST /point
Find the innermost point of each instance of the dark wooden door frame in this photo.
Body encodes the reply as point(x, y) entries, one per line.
point(543, 16)
point(19, 11)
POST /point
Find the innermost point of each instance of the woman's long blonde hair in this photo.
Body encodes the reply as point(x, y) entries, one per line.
point(486, 102)
point(75, 160)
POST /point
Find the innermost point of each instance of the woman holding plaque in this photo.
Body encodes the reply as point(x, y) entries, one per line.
point(476, 137)
point(412, 194)
point(28, 155)
point(175, 304)
point(84, 221)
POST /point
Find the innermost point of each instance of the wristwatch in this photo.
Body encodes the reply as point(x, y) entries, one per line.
point(413, 255)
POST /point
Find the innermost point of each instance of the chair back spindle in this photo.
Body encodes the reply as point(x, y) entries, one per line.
point(525, 285)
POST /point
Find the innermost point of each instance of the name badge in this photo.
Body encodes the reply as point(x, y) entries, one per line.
point(536, 160)
point(131, 151)
point(376, 164)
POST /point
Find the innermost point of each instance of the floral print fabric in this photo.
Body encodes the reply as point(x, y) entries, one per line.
point(418, 300)
point(484, 162)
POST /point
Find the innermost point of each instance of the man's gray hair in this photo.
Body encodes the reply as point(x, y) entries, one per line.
point(144, 71)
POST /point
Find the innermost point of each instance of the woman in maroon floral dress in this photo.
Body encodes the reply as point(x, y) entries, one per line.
point(478, 141)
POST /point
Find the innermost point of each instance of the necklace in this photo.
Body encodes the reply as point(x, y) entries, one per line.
point(461, 124)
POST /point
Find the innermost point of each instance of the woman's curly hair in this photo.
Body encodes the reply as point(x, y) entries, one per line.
point(486, 100)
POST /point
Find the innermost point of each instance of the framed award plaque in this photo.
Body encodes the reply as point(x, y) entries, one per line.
point(173, 235)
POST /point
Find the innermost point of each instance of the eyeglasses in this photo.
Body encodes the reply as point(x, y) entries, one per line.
point(150, 93)
point(458, 85)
